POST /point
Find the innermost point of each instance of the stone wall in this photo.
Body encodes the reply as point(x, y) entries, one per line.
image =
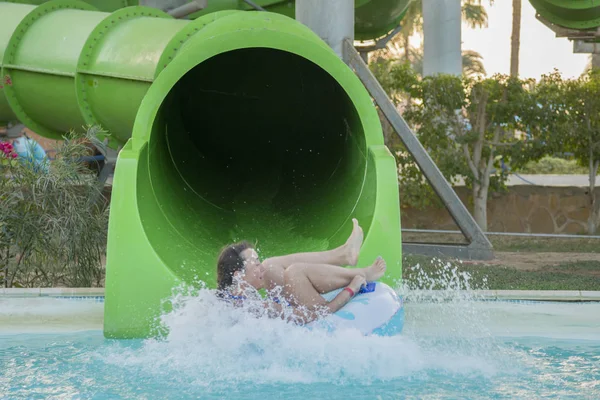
point(531, 209)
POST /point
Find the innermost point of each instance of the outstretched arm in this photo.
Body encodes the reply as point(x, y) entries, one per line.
point(305, 315)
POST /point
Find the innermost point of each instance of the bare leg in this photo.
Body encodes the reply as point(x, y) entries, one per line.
point(299, 289)
point(347, 254)
point(302, 281)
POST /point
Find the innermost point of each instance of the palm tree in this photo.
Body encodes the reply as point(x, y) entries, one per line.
point(412, 22)
point(515, 43)
point(473, 13)
point(472, 62)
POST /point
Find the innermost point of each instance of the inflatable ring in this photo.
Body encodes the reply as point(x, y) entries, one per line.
point(376, 310)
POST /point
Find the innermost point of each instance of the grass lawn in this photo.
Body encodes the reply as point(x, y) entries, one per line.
point(570, 275)
point(522, 263)
point(580, 244)
point(562, 245)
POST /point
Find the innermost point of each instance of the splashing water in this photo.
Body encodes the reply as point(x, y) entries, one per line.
point(449, 348)
point(211, 343)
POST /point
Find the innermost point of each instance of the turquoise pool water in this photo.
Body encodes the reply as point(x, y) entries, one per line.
point(452, 348)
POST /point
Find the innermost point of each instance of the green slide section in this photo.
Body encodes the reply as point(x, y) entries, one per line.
point(572, 14)
point(234, 125)
point(100, 5)
point(374, 18)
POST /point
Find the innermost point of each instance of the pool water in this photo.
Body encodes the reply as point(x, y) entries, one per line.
point(455, 347)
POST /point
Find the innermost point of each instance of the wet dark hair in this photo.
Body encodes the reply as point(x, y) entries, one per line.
point(230, 261)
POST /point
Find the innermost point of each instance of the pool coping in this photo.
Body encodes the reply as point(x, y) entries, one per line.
point(540, 295)
point(51, 292)
point(550, 295)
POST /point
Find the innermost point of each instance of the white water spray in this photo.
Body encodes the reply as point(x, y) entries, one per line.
point(210, 343)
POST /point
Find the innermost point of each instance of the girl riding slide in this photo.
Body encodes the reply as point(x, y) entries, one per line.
point(302, 277)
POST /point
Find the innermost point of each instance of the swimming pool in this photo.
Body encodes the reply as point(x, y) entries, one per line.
point(456, 348)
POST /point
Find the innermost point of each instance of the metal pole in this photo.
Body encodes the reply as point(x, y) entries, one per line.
point(254, 5)
point(365, 56)
point(332, 20)
point(520, 234)
point(442, 37)
point(479, 246)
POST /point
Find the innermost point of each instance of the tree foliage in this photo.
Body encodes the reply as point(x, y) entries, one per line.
point(479, 129)
point(399, 48)
point(472, 62)
point(550, 165)
point(575, 105)
point(467, 125)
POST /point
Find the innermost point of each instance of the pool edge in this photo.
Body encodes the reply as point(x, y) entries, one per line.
point(51, 292)
point(540, 295)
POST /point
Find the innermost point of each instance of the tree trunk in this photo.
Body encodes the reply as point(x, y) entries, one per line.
point(406, 43)
point(592, 224)
point(480, 194)
point(595, 61)
point(515, 39)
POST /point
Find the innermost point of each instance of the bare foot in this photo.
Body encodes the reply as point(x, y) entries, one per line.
point(375, 271)
point(354, 243)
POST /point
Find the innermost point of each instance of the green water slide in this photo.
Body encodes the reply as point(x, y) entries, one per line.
point(374, 18)
point(100, 5)
point(235, 125)
point(572, 14)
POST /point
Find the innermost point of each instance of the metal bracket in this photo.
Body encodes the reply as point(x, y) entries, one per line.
point(478, 247)
point(586, 35)
point(580, 46)
point(187, 9)
point(381, 42)
point(378, 45)
point(110, 161)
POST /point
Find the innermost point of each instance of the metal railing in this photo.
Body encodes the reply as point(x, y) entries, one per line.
point(544, 235)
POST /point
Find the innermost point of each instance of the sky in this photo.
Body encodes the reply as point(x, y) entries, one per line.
point(541, 51)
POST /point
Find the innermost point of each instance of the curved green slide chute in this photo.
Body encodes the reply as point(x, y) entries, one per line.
point(373, 18)
point(572, 14)
point(234, 126)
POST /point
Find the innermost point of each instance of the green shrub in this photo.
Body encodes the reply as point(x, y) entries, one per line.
point(53, 224)
point(554, 165)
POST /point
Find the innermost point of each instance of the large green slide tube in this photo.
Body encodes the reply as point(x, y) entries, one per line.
point(373, 18)
point(234, 126)
point(572, 14)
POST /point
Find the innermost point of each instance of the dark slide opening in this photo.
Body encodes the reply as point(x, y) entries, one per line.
point(255, 144)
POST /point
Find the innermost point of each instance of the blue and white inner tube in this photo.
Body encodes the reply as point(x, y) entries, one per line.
point(378, 310)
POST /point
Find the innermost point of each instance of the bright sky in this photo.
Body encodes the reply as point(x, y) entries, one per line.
point(541, 51)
